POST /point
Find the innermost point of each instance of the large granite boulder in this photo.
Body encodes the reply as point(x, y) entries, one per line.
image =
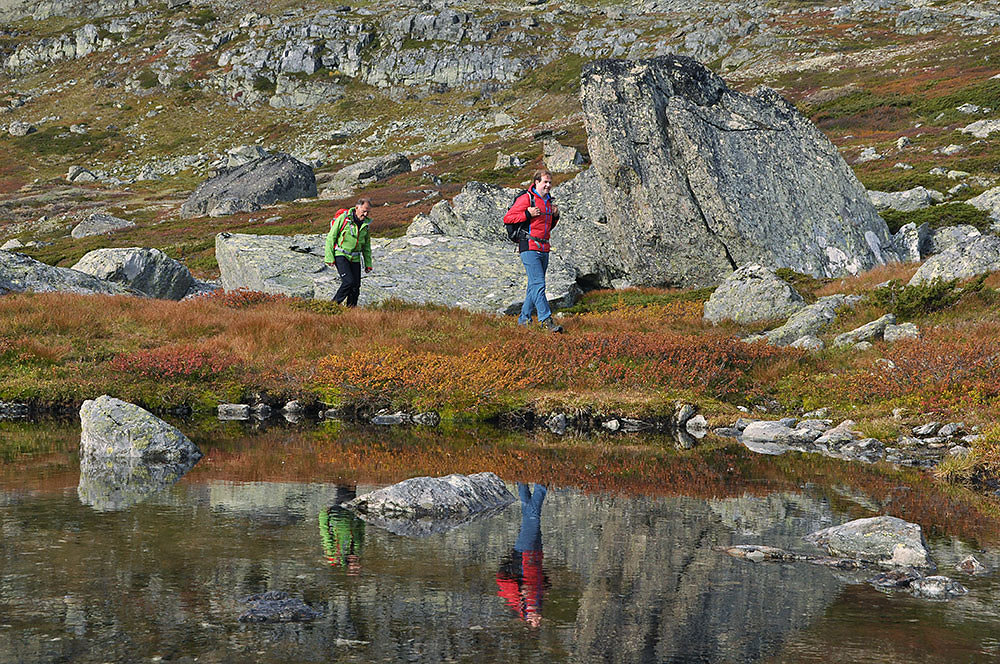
point(977, 256)
point(435, 496)
point(276, 177)
point(435, 269)
point(148, 271)
point(99, 223)
point(885, 540)
point(948, 237)
point(989, 202)
point(20, 273)
point(912, 243)
point(698, 179)
point(116, 429)
point(750, 294)
point(477, 212)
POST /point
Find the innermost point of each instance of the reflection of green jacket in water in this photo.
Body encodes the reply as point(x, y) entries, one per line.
point(342, 534)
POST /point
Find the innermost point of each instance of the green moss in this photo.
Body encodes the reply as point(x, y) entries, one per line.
point(600, 301)
point(805, 284)
point(946, 214)
point(202, 17)
point(561, 77)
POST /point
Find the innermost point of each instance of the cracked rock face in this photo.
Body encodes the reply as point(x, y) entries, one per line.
point(698, 179)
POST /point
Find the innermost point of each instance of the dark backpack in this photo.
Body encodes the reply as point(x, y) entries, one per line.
point(519, 230)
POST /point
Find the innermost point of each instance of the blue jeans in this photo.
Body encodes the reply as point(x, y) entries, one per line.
point(535, 264)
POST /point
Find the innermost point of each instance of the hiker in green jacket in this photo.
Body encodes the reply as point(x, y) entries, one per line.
point(348, 249)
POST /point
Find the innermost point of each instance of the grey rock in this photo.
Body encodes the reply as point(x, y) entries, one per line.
point(912, 243)
point(893, 333)
point(148, 271)
point(278, 177)
point(261, 411)
point(452, 271)
point(366, 172)
point(865, 449)
point(883, 540)
point(839, 435)
point(977, 256)
point(988, 201)
point(435, 496)
point(683, 412)
point(561, 158)
point(11, 245)
point(937, 587)
point(863, 345)
point(112, 428)
point(808, 321)
point(392, 419)
point(423, 225)
point(100, 223)
point(808, 342)
point(971, 565)
point(929, 429)
point(233, 411)
point(19, 274)
point(951, 429)
point(921, 20)
point(904, 201)
point(80, 174)
point(750, 294)
point(867, 332)
point(680, 158)
point(507, 161)
point(948, 237)
point(697, 424)
point(982, 128)
point(13, 411)
point(766, 437)
point(427, 419)
point(18, 128)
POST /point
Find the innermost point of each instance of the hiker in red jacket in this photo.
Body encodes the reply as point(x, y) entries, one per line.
point(536, 216)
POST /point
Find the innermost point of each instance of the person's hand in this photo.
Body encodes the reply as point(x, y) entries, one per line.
point(369, 269)
point(555, 209)
point(534, 211)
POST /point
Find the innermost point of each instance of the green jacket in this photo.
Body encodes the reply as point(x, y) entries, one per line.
point(349, 239)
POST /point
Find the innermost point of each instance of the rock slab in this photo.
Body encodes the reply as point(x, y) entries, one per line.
point(113, 428)
point(698, 179)
point(450, 271)
point(20, 273)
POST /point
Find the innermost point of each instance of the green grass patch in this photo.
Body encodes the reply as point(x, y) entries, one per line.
point(937, 216)
point(805, 284)
point(606, 300)
point(910, 302)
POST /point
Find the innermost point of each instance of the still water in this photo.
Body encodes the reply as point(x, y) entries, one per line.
point(621, 568)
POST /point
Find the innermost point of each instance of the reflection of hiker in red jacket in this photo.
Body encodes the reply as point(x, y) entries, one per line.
point(521, 579)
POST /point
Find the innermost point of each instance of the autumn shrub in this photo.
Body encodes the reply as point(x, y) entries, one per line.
point(241, 298)
point(181, 361)
point(942, 372)
point(716, 366)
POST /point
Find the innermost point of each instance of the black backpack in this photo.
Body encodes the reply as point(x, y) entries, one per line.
point(515, 232)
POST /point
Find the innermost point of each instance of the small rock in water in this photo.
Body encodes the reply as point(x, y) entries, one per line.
point(937, 587)
point(970, 565)
point(895, 578)
point(234, 411)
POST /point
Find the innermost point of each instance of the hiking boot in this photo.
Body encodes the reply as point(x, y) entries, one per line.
point(549, 326)
point(523, 323)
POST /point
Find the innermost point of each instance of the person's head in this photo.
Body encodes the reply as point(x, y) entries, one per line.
point(363, 207)
point(542, 181)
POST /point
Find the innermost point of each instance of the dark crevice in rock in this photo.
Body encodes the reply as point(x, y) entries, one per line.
point(704, 220)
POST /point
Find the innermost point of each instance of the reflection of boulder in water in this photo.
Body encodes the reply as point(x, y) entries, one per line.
point(117, 484)
point(426, 526)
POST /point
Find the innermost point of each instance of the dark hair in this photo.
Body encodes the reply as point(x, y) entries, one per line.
point(364, 200)
point(539, 174)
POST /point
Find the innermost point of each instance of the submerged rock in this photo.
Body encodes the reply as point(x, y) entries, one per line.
point(111, 484)
point(937, 587)
point(436, 497)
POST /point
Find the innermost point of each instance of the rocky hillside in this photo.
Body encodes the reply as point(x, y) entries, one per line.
point(150, 98)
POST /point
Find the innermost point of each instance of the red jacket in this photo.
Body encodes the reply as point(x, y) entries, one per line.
point(538, 227)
